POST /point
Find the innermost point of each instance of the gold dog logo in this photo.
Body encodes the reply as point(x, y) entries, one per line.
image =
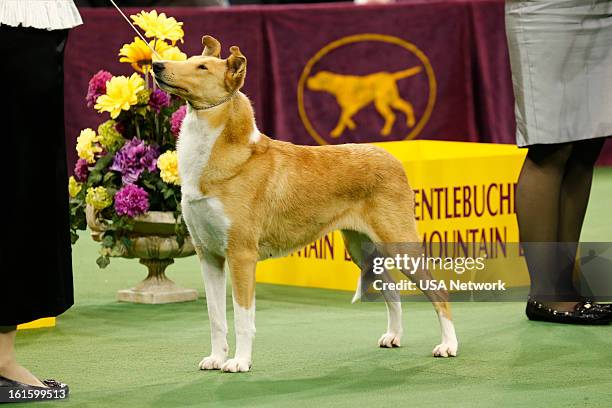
point(353, 93)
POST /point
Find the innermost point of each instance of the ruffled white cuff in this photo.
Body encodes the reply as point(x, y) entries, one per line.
point(45, 14)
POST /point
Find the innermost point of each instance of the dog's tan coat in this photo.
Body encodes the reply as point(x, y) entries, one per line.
point(278, 196)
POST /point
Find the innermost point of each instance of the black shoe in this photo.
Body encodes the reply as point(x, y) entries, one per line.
point(15, 391)
point(584, 313)
point(604, 306)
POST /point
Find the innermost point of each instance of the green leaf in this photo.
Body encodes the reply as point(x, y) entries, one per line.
point(167, 193)
point(108, 241)
point(108, 177)
point(126, 241)
point(95, 178)
point(103, 261)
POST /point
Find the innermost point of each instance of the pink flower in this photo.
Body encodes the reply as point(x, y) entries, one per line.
point(81, 170)
point(177, 120)
point(158, 100)
point(97, 86)
point(131, 200)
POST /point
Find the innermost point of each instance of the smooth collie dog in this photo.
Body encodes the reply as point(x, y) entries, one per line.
point(247, 197)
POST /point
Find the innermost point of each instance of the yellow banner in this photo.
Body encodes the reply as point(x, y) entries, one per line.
point(464, 193)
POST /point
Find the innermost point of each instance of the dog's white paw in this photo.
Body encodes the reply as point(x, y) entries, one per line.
point(236, 365)
point(447, 349)
point(212, 362)
point(389, 340)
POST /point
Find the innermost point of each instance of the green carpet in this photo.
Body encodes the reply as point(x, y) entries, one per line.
point(314, 349)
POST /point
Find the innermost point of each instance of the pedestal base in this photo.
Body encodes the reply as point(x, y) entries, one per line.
point(157, 297)
point(157, 288)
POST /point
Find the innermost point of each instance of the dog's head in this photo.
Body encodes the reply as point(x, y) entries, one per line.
point(322, 81)
point(205, 79)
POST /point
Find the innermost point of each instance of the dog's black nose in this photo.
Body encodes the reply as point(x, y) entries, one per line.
point(158, 67)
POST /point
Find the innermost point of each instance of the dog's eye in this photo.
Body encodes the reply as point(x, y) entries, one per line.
point(203, 67)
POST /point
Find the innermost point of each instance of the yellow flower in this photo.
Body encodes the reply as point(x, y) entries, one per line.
point(172, 54)
point(74, 187)
point(168, 166)
point(98, 197)
point(140, 55)
point(87, 146)
point(159, 26)
point(121, 93)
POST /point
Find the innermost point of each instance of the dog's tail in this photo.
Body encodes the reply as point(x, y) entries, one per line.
point(406, 73)
point(357, 296)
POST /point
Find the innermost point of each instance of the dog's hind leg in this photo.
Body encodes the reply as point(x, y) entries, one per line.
point(405, 107)
point(354, 242)
point(214, 284)
point(399, 227)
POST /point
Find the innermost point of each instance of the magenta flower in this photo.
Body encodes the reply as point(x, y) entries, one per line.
point(81, 170)
point(97, 86)
point(176, 120)
point(131, 200)
point(158, 100)
point(133, 158)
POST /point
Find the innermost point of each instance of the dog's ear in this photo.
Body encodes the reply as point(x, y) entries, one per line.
point(212, 47)
point(236, 68)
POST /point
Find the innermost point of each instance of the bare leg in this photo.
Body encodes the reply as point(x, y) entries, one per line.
point(9, 368)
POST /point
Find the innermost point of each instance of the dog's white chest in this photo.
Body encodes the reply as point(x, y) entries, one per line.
point(204, 215)
point(207, 223)
point(194, 146)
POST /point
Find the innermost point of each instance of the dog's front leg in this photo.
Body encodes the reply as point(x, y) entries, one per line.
point(242, 265)
point(215, 284)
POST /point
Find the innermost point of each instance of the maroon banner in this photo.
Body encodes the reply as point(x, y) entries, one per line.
point(362, 74)
point(337, 73)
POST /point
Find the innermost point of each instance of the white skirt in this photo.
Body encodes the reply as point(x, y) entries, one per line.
point(561, 58)
point(44, 14)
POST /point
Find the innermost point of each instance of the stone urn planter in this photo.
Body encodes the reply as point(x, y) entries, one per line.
point(154, 243)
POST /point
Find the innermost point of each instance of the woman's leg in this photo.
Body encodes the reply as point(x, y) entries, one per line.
point(538, 211)
point(574, 198)
point(576, 188)
point(9, 368)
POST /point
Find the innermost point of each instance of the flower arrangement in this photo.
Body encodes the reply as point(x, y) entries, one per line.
point(128, 166)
